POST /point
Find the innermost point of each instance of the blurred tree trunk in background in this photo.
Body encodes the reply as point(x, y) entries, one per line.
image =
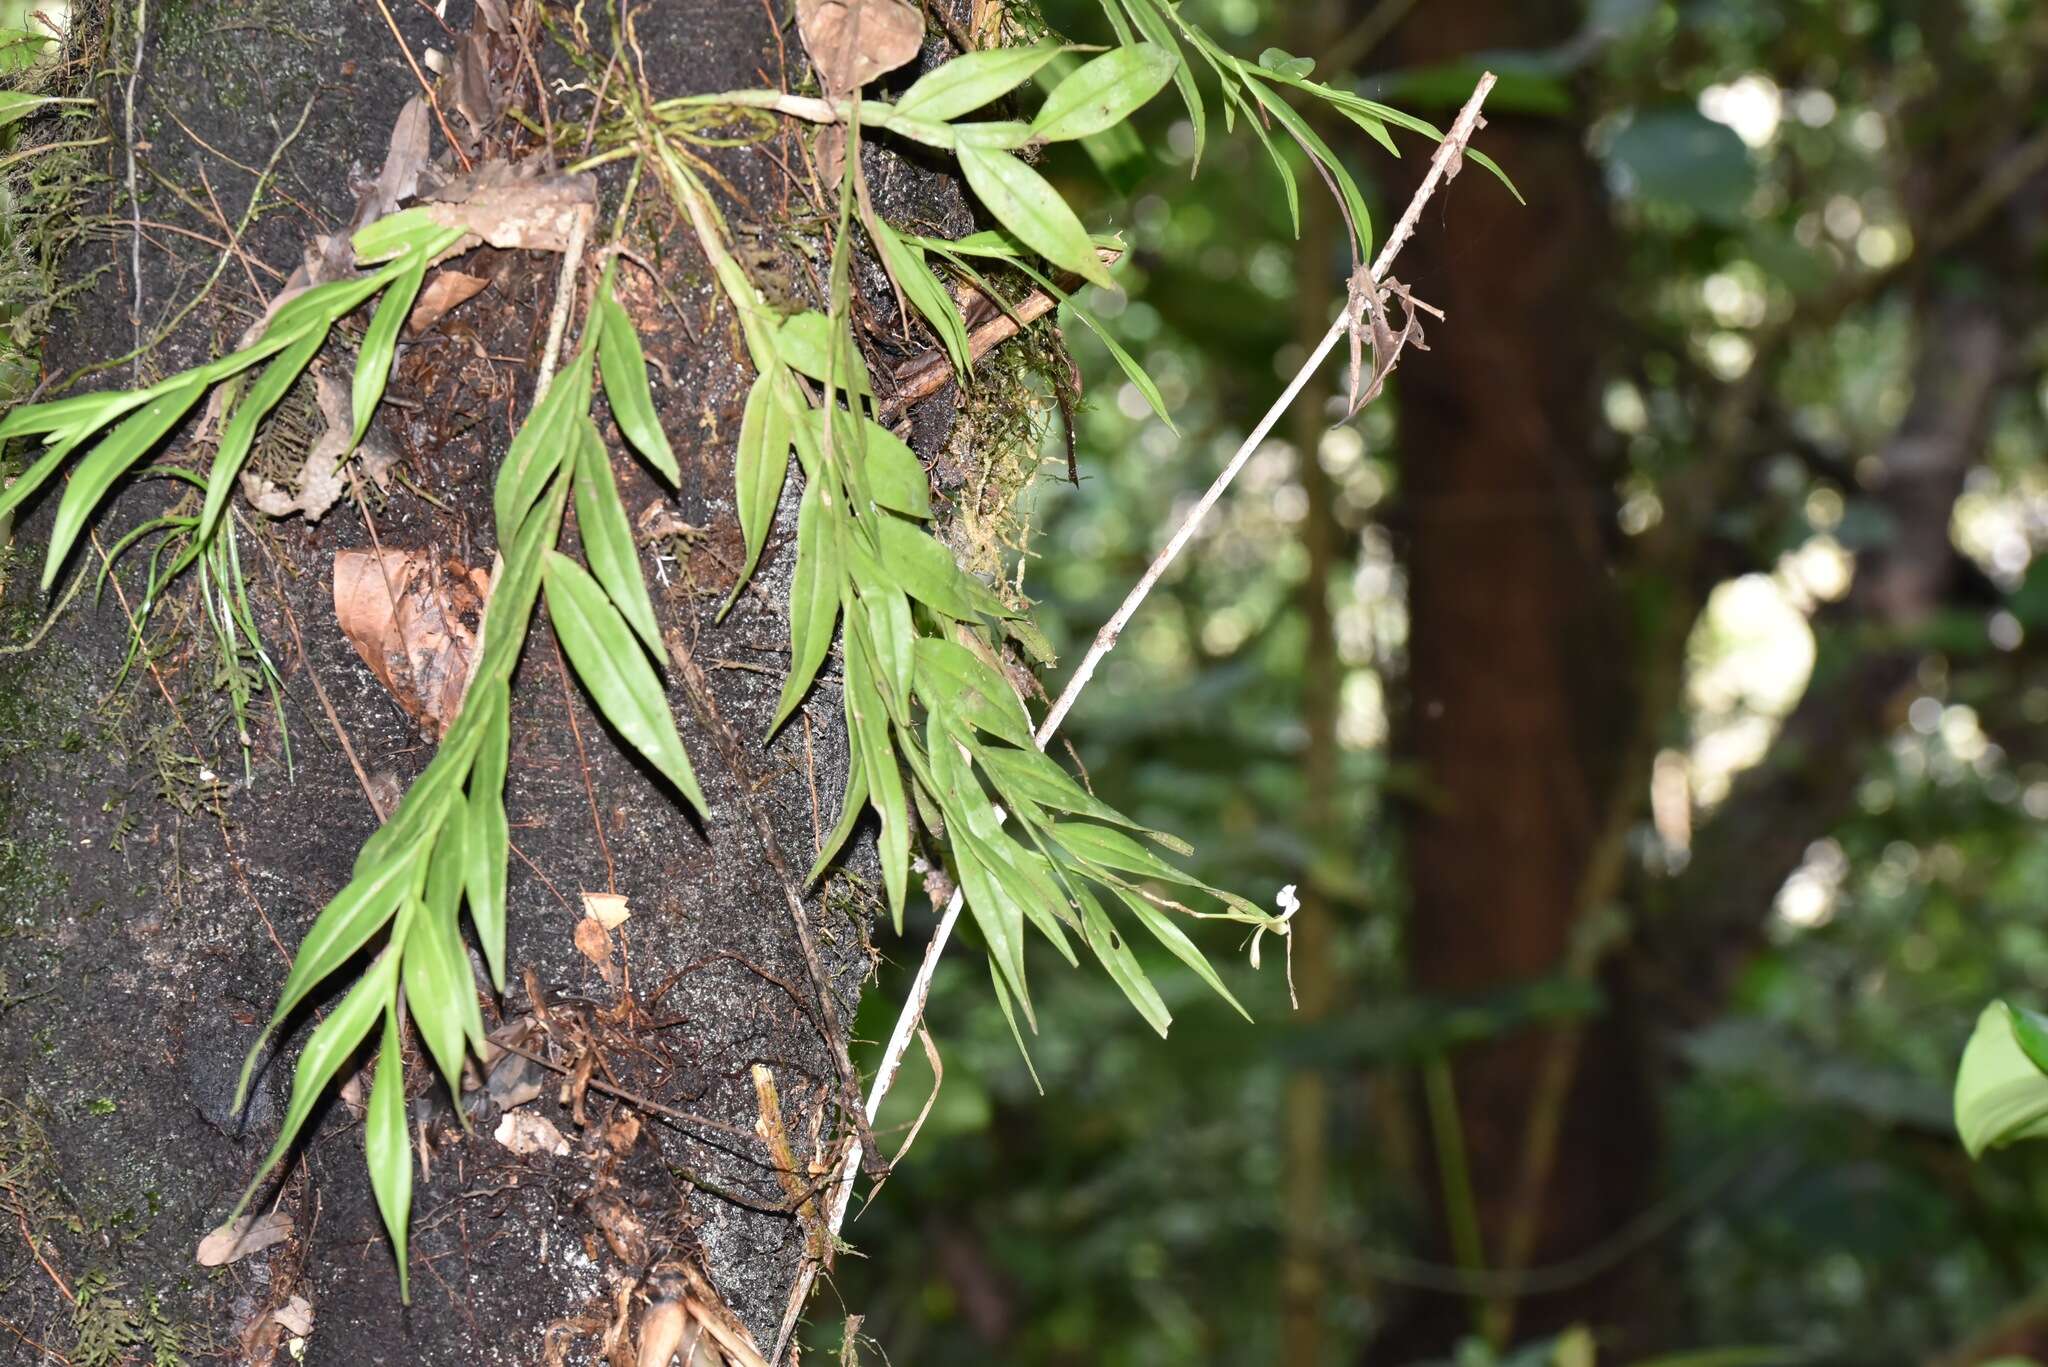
point(1518, 698)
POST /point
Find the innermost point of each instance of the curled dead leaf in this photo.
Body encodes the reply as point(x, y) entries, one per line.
point(443, 291)
point(513, 208)
point(240, 1237)
point(851, 42)
point(414, 619)
point(296, 1315)
point(319, 483)
point(594, 943)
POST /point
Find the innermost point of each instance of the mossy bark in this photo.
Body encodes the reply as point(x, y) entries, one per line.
point(153, 891)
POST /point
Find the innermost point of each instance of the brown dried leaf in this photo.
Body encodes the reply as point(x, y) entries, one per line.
point(594, 943)
point(513, 208)
point(414, 620)
point(319, 482)
point(242, 1236)
point(443, 291)
point(853, 41)
point(404, 159)
point(296, 1315)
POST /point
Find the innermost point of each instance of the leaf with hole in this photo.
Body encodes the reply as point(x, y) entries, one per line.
point(387, 1147)
point(1025, 202)
point(1104, 92)
point(1124, 969)
point(610, 664)
point(1161, 924)
point(813, 600)
point(607, 538)
point(624, 366)
point(971, 80)
point(760, 467)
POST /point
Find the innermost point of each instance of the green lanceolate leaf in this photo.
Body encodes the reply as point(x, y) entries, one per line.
point(953, 679)
point(79, 416)
point(238, 438)
point(438, 996)
point(1281, 62)
point(1112, 849)
point(107, 462)
point(380, 343)
point(1156, 920)
point(760, 467)
point(867, 721)
point(1123, 966)
point(1005, 136)
point(1025, 202)
point(896, 477)
point(541, 445)
point(852, 800)
point(387, 1148)
point(927, 573)
point(600, 645)
point(907, 267)
point(608, 539)
point(1027, 775)
point(1000, 919)
point(333, 1041)
point(1104, 91)
point(890, 636)
point(813, 599)
point(1126, 362)
point(1352, 202)
point(1153, 25)
point(408, 230)
point(489, 840)
point(19, 104)
point(343, 927)
point(971, 80)
point(804, 341)
point(1010, 1016)
point(626, 388)
point(510, 613)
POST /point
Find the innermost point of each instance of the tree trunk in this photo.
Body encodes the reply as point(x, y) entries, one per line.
point(155, 892)
point(1516, 701)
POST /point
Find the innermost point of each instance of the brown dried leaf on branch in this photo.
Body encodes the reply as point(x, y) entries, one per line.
point(853, 41)
point(415, 619)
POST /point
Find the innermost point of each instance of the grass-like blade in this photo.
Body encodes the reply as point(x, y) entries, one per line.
point(541, 445)
point(610, 664)
point(907, 267)
point(624, 366)
point(971, 80)
point(486, 847)
point(1104, 91)
point(107, 462)
point(607, 537)
point(1025, 202)
point(380, 343)
point(760, 467)
point(894, 637)
point(813, 600)
point(332, 1043)
point(867, 722)
point(1161, 924)
point(1126, 362)
point(1349, 199)
point(387, 1148)
point(1154, 26)
point(238, 438)
point(853, 799)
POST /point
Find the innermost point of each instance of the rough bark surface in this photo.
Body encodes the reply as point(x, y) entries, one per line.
point(153, 894)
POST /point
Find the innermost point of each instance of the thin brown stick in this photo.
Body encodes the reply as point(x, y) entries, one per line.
point(426, 87)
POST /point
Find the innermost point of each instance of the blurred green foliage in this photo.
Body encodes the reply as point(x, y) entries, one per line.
point(1817, 1201)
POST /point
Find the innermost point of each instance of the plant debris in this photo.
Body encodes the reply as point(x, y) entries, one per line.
point(524, 1132)
point(851, 42)
point(414, 618)
point(242, 1236)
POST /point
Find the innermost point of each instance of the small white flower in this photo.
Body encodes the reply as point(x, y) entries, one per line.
point(1289, 903)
